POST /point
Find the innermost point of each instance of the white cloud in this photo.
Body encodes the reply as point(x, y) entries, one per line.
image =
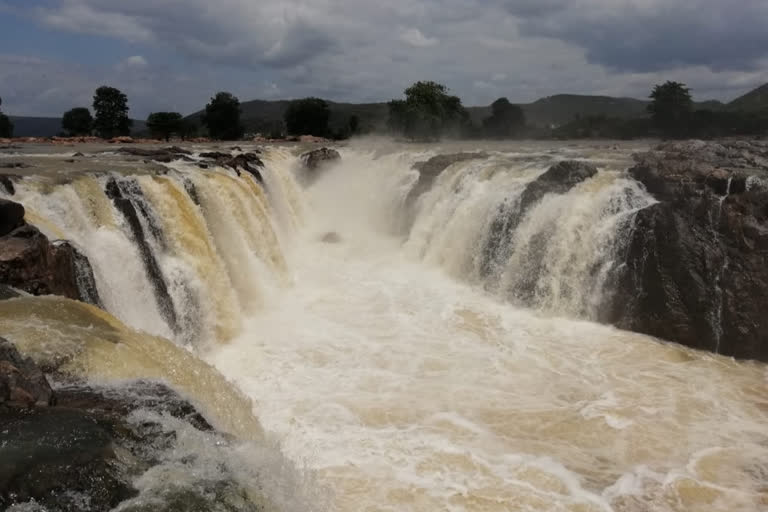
point(135, 62)
point(415, 37)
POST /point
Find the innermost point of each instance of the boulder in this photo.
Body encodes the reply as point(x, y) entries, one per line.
point(6, 182)
point(248, 162)
point(163, 155)
point(695, 270)
point(87, 448)
point(11, 216)
point(22, 383)
point(317, 158)
point(34, 264)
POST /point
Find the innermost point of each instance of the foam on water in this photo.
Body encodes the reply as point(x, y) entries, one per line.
point(409, 390)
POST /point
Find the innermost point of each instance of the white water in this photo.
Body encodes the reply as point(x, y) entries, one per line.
point(407, 379)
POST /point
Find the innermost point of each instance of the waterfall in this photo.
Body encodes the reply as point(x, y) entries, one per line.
point(183, 254)
point(557, 255)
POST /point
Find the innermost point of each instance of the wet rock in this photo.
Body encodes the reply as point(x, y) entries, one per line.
point(695, 269)
point(559, 179)
point(163, 155)
point(127, 197)
point(22, 383)
point(6, 182)
point(314, 159)
point(248, 162)
point(432, 168)
point(78, 154)
point(8, 292)
point(34, 264)
point(88, 449)
point(14, 165)
point(11, 216)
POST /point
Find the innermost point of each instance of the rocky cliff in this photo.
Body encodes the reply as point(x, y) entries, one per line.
point(697, 262)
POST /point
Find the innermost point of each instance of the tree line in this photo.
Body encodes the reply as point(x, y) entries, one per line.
point(428, 112)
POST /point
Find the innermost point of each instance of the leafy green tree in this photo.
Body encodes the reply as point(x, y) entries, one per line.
point(77, 121)
point(308, 116)
point(222, 117)
point(111, 108)
point(427, 113)
point(6, 126)
point(671, 108)
point(164, 124)
point(506, 120)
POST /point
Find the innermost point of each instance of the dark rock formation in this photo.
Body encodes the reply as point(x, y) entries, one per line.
point(6, 181)
point(14, 165)
point(34, 264)
point(248, 162)
point(11, 216)
point(316, 158)
point(8, 292)
point(127, 198)
point(432, 168)
point(163, 155)
point(559, 179)
point(22, 383)
point(87, 447)
point(697, 262)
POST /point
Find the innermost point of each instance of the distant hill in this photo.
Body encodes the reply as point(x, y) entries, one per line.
point(261, 115)
point(752, 101)
point(36, 126)
point(50, 126)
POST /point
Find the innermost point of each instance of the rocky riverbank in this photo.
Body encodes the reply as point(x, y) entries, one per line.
point(697, 262)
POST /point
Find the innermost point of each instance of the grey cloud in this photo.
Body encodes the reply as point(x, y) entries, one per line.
point(652, 35)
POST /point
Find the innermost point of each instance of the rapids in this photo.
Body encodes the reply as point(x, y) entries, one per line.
point(405, 365)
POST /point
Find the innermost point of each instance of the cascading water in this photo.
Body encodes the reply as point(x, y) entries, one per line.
point(392, 358)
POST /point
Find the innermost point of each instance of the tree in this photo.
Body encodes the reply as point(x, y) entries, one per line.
point(164, 124)
point(308, 116)
point(671, 109)
point(6, 126)
point(77, 121)
point(188, 129)
point(506, 119)
point(222, 117)
point(111, 108)
point(354, 124)
point(427, 112)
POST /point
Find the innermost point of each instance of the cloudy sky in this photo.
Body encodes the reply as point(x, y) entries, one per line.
point(174, 54)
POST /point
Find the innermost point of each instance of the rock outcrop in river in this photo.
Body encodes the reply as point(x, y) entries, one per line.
point(697, 261)
point(31, 262)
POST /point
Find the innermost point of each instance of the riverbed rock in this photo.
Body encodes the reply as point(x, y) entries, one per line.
point(34, 264)
point(88, 448)
point(696, 266)
point(6, 183)
point(22, 383)
point(317, 159)
point(163, 155)
point(249, 162)
point(430, 169)
point(11, 216)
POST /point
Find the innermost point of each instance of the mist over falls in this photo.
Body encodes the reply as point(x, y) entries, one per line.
point(415, 325)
